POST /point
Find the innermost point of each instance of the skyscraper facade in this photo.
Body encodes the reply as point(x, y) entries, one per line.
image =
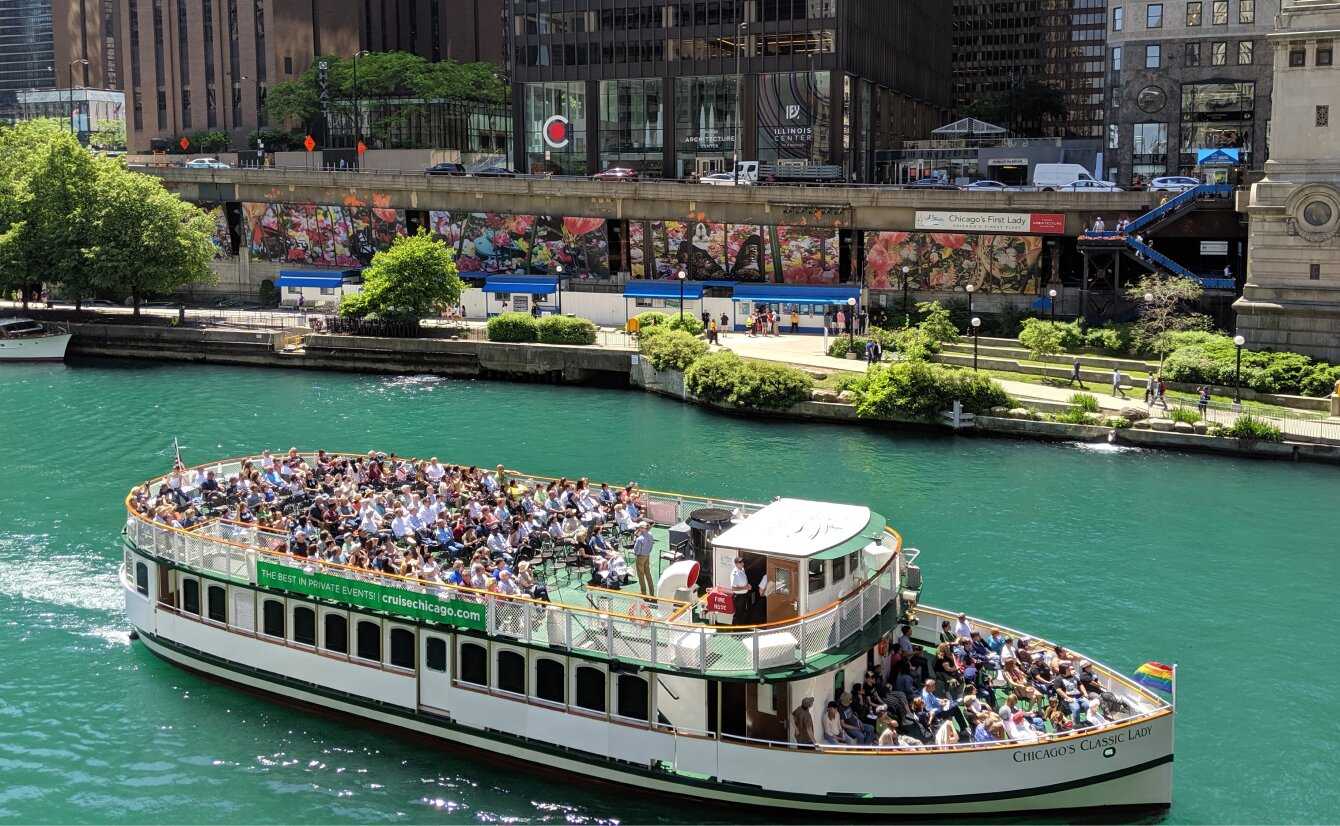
point(675, 89)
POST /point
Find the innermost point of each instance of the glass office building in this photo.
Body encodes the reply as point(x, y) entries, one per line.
point(679, 89)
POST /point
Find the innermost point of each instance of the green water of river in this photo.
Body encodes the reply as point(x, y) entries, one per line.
point(1126, 555)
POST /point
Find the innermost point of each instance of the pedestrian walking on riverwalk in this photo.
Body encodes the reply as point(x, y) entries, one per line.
point(1075, 377)
point(1160, 391)
point(1116, 383)
point(1149, 391)
point(1203, 401)
point(795, 319)
point(725, 325)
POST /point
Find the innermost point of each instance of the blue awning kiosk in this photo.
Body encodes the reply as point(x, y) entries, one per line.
point(313, 287)
point(310, 278)
point(533, 285)
point(785, 294)
point(667, 289)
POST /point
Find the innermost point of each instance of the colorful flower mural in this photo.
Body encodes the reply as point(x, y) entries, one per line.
point(222, 237)
point(331, 236)
point(637, 238)
point(809, 255)
point(945, 261)
point(492, 243)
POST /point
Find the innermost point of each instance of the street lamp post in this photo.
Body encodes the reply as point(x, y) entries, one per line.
point(739, 87)
point(851, 324)
point(1052, 295)
point(357, 120)
point(907, 306)
point(681, 275)
point(69, 93)
point(1238, 342)
point(976, 325)
point(970, 289)
point(558, 268)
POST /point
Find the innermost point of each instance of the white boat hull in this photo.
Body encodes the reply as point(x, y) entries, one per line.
point(39, 348)
point(1128, 765)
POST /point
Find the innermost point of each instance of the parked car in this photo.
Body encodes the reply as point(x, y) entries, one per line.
point(616, 173)
point(1173, 183)
point(989, 186)
point(206, 163)
point(494, 172)
point(723, 179)
point(99, 302)
point(1089, 185)
point(932, 183)
point(445, 168)
point(1053, 176)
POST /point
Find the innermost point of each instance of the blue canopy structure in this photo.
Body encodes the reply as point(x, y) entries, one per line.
point(529, 284)
point(662, 289)
point(310, 278)
point(787, 294)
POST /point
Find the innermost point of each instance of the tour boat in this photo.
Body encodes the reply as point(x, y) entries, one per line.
point(22, 339)
point(664, 693)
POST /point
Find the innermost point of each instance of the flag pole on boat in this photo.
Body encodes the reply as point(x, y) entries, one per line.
point(176, 454)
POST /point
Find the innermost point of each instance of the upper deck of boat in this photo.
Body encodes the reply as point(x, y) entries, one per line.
point(599, 622)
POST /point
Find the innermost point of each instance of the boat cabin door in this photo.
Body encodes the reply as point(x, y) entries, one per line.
point(783, 589)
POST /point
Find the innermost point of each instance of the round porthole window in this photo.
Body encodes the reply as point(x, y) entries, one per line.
point(1318, 213)
point(1151, 99)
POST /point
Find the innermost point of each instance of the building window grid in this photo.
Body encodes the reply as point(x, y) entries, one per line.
point(184, 64)
point(1193, 12)
point(1153, 55)
point(1192, 53)
point(1219, 53)
point(160, 73)
point(1154, 16)
point(1246, 50)
point(1246, 12)
point(1219, 12)
point(1118, 18)
point(1324, 54)
point(211, 101)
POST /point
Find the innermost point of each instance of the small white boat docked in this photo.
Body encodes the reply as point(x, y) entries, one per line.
point(721, 695)
point(23, 339)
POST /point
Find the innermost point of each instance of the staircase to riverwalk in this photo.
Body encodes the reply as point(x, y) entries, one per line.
point(1133, 241)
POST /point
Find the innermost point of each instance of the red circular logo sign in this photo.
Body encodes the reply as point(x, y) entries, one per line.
point(557, 132)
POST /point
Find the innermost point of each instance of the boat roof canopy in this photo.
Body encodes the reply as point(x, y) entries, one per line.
point(804, 529)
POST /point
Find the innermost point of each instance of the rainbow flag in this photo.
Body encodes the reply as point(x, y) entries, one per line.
point(1156, 676)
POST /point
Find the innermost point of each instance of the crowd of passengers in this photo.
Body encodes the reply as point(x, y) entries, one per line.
point(974, 687)
point(422, 519)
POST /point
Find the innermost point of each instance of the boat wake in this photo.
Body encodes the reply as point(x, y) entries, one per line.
point(1104, 447)
point(43, 581)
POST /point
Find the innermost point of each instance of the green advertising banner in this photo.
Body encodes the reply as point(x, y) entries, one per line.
point(406, 603)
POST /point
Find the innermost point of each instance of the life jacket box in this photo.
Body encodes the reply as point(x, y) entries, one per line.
point(555, 627)
point(775, 649)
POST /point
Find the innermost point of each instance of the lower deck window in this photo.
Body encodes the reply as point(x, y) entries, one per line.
point(304, 625)
point(402, 648)
point(511, 672)
point(435, 654)
point(474, 664)
point(337, 634)
point(632, 697)
point(272, 618)
point(190, 596)
point(590, 688)
point(369, 641)
point(142, 578)
point(216, 599)
point(550, 681)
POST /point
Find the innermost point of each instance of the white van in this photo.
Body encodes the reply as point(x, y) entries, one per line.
point(1052, 176)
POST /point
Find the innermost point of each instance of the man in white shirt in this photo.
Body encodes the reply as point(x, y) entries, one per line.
point(905, 641)
point(400, 525)
point(434, 471)
point(963, 628)
point(739, 586)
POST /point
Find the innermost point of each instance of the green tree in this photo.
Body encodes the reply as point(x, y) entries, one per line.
point(1042, 338)
point(144, 239)
point(414, 279)
point(382, 74)
point(46, 204)
point(935, 321)
point(111, 135)
point(1166, 307)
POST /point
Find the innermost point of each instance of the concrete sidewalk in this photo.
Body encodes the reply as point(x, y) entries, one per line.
point(809, 352)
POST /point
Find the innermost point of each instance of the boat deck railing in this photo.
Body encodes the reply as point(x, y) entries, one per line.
point(615, 625)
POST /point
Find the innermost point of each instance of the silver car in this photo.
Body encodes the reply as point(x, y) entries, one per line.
point(1174, 183)
point(206, 163)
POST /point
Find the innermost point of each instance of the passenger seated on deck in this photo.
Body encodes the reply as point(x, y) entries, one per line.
point(833, 731)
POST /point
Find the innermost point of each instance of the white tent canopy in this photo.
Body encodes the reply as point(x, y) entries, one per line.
point(969, 126)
